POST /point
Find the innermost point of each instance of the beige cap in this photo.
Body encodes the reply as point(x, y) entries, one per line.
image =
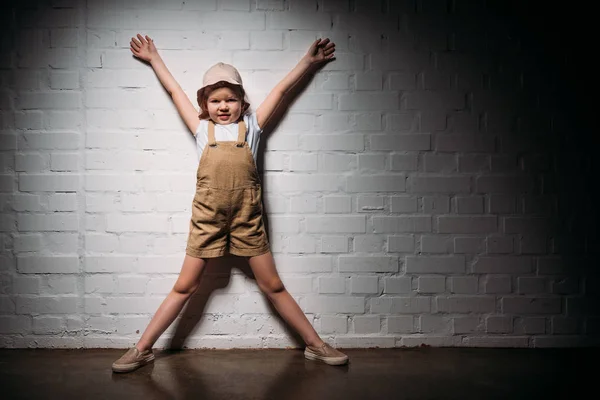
point(221, 72)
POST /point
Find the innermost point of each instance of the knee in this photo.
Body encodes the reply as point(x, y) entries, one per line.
point(186, 289)
point(272, 286)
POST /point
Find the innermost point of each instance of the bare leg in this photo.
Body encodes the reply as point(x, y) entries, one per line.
point(187, 283)
point(268, 280)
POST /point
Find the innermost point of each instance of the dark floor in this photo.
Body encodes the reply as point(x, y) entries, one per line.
point(416, 373)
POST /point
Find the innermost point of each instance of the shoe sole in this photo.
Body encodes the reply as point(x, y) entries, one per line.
point(133, 366)
point(326, 360)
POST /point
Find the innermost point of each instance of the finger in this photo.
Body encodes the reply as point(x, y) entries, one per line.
point(149, 40)
point(134, 45)
point(141, 38)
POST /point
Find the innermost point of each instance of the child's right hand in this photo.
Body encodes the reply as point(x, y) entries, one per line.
point(143, 48)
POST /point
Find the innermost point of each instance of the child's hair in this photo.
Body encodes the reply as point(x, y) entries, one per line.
point(204, 92)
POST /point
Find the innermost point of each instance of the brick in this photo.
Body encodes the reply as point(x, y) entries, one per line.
point(435, 324)
point(334, 324)
point(529, 325)
point(435, 264)
point(298, 20)
point(431, 284)
point(337, 163)
point(531, 285)
point(397, 285)
point(498, 324)
point(376, 183)
point(372, 162)
point(401, 244)
point(439, 185)
point(369, 244)
point(465, 304)
point(436, 204)
point(450, 224)
point(337, 204)
point(404, 162)
point(370, 203)
point(333, 142)
point(50, 100)
point(300, 162)
point(468, 245)
point(49, 182)
point(45, 305)
point(370, 80)
point(303, 182)
point(404, 204)
point(497, 341)
point(368, 121)
point(499, 245)
point(364, 284)
point(502, 204)
point(531, 244)
point(464, 143)
point(335, 224)
point(442, 163)
point(301, 244)
point(19, 324)
point(566, 325)
point(504, 184)
point(334, 244)
point(503, 265)
point(531, 305)
point(401, 142)
point(331, 285)
point(470, 205)
point(401, 224)
point(368, 101)
point(410, 305)
point(463, 284)
point(436, 244)
point(400, 324)
point(461, 325)
point(497, 284)
point(334, 304)
point(303, 204)
point(368, 264)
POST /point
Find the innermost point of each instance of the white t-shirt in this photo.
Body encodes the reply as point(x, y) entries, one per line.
point(229, 132)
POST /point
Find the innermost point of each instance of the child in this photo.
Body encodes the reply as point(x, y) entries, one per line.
point(227, 208)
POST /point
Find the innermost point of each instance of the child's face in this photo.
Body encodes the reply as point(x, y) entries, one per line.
point(224, 107)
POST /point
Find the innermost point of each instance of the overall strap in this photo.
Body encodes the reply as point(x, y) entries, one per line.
point(241, 133)
point(211, 133)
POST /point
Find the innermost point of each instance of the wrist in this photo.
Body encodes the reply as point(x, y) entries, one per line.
point(154, 58)
point(305, 61)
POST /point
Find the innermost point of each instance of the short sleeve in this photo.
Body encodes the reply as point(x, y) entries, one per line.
point(254, 132)
point(253, 122)
point(198, 128)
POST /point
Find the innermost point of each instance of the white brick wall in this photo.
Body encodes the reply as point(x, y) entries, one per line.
point(409, 197)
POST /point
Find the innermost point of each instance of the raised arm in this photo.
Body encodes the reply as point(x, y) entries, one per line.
point(143, 48)
point(320, 51)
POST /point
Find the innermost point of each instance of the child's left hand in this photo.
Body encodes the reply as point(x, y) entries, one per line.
point(322, 50)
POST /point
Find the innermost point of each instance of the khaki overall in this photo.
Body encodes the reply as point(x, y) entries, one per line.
point(227, 207)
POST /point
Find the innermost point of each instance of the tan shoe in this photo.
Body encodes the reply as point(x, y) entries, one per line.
point(132, 360)
point(325, 353)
